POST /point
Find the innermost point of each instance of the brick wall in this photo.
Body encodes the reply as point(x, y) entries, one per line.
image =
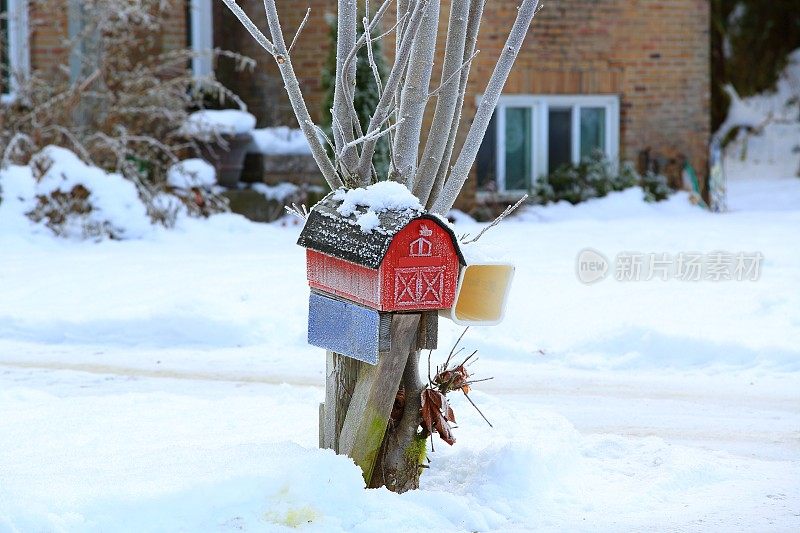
point(654, 54)
point(47, 34)
point(49, 30)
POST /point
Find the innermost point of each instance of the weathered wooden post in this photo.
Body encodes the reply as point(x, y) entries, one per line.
point(376, 290)
point(379, 274)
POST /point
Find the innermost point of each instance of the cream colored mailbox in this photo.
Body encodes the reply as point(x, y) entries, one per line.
point(482, 294)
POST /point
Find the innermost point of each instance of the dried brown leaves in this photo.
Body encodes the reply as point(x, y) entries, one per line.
point(436, 411)
point(437, 415)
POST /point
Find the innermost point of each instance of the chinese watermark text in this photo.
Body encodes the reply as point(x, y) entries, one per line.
point(592, 266)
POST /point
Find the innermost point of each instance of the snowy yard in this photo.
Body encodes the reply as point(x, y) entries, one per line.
point(165, 384)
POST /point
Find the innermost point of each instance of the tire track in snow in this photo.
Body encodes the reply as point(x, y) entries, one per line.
point(122, 371)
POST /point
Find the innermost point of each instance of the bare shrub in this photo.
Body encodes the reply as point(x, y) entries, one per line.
point(120, 103)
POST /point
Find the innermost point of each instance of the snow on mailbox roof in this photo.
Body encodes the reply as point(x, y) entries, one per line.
point(358, 225)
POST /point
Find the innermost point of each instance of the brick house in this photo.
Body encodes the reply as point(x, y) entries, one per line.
point(628, 77)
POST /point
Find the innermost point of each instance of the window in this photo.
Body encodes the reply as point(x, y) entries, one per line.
point(13, 45)
point(531, 136)
point(200, 34)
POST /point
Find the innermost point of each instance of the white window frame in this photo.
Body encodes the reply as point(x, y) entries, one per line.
point(18, 47)
point(202, 36)
point(540, 106)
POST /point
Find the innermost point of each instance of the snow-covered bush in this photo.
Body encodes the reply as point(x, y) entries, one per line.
point(77, 200)
point(655, 187)
point(192, 182)
point(192, 173)
point(593, 177)
point(122, 111)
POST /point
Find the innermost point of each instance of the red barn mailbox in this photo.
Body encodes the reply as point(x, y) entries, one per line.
point(364, 264)
point(409, 260)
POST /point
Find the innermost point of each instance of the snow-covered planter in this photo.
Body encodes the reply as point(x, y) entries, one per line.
point(192, 174)
point(281, 154)
point(222, 137)
point(280, 140)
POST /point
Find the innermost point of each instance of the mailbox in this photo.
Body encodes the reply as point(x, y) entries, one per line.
point(409, 262)
point(364, 266)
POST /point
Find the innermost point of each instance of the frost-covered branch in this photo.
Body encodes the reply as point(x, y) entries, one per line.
point(508, 210)
point(281, 54)
point(414, 97)
point(473, 28)
point(248, 24)
point(457, 74)
point(371, 58)
point(446, 102)
point(386, 101)
point(300, 29)
point(345, 80)
point(472, 144)
point(351, 58)
point(374, 135)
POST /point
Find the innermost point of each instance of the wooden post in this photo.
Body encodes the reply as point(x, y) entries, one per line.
point(341, 375)
point(367, 406)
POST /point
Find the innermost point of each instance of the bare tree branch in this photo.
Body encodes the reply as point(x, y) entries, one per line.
point(296, 97)
point(414, 97)
point(403, 13)
point(371, 58)
point(345, 80)
point(454, 75)
point(265, 43)
point(446, 102)
point(300, 30)
point(375, 135)
point(351, 58)
point(508, 210)
point(383, 108)
point(472, 144)
point(473, 28)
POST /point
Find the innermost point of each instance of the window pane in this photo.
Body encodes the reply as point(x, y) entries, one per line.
point(486, 164)
point(518, 148)
point(559, 137)
point(593, 130)
point(4, 66)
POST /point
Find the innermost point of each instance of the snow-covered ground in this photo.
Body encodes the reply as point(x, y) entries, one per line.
point(164, 384)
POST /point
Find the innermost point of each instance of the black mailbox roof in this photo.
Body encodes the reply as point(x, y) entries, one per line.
point(329, 232)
